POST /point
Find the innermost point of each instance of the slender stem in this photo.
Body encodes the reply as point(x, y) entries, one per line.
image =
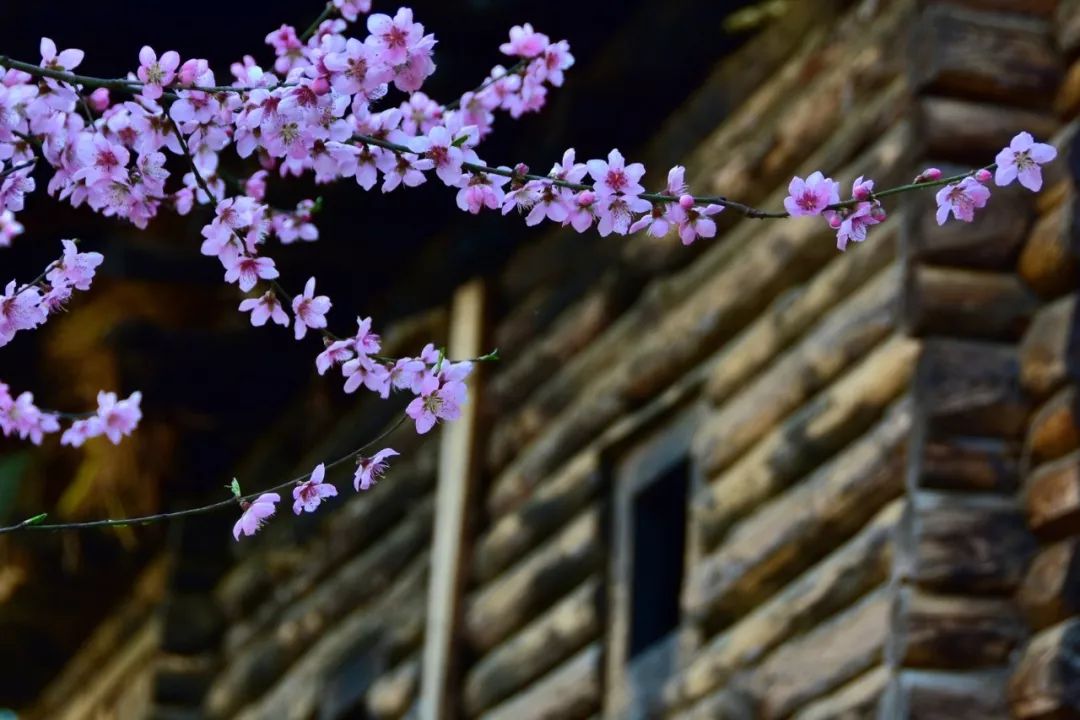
point(328, 10)
point(33, 524)
point(16, 168)
point(117, 83)
point(516, 69)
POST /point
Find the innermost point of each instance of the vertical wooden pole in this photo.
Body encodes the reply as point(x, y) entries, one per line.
point(455, 482)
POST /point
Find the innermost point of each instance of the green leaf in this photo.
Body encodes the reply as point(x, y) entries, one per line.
point(234, 487)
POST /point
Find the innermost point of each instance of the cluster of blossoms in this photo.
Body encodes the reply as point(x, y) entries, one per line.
point(308, 494)
point(323, 106)
point(114, 418)
point(960, 197)
point(27, 306)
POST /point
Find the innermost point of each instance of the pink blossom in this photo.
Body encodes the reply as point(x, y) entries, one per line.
point(614, 176)
point(20, 310)
point(437, 401)
point(308, 494)
point(336, 352)
point(310, 310)
point(265, 307)
point(370, 469)
point(480, 190)
point(10, 228)
point(118, 417)
point(961, 199)
point(811, 196)
point(615, 213)
point(255, 514)
point(1022, 160)
point(373, 375)
point(64, 60)
point(393, 37)
point(524, 42)
point(351, 9)
point(694, 222)
point(156, 73)
point(20, 415)
point(75, 269)
point(438, 147)
point(247, 270)
point(99, 99)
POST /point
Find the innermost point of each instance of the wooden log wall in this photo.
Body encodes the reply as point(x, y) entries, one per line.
point(792, 355)
point(1045, 678)
point(964, 545)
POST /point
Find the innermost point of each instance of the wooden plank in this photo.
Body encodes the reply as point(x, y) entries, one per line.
point(453, 499)
point(858, 700)
point(1051, 589)
point(1046, 683)
point(934, 695)
point(569, 692)
point(963, 463)
point(965, 303)
point(793, 531)
point(1052, 496)
point(1007, 59)
point(522, 591)
point(538, 647)
point(853, 570)
point(953, 631)
point(1049, 261)
point(963, 543)
point(835, 652)
point(1055, 428)
point(970, 132)
point(835, 417)
point(964, 387)
point(1050, 350)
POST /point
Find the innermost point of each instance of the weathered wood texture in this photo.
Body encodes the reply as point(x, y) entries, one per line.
point(971, 544)
point(551, 638)
point(1046, 682)
point(790, 533)
point(1049, 261)
point(969, 388)
point(1052, 497)
point(1051, 589)
point(842, 338)
point(515, 597)
point(570, 691)
point(1050, 349)
point(964, 131)
point(857, 700)
point(966, 303)
point(987, 56)
point(258, 665)
point(835, 417)
point(953, 632)
point(1055, 427)
point(946, 696)
point(850, 572)
point(962, 463)
point(825, 658)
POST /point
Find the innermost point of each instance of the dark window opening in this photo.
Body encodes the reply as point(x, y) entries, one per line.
point(659, 532)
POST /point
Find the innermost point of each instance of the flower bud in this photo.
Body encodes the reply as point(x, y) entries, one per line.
point(983, 175)
point(686, 202)
point(99, 99)
point(929, 174)
point(320, 86)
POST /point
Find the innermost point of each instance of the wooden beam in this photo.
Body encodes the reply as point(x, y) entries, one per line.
point(457, 472)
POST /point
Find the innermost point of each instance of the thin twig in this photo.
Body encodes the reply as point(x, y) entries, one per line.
point(35, 524)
